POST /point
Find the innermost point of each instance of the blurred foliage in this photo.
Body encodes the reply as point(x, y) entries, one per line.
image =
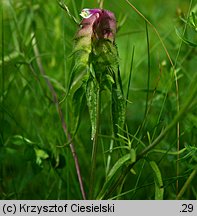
point(35, 160)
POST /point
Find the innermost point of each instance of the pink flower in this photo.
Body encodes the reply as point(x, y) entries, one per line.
point(100, 24)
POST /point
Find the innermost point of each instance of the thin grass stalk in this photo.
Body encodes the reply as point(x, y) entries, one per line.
point(76, 14)
point(67, 176)
point(59, 110)
point(95, 146)
point(148, 86)
point(111, 147)
point(130, 74)
point(100, 3)
point(66, 115)
point(130, 191)
point(148, 82)
point(127, 98)
point(173, 123)
point(176, 81)
point(159, 117)
point(82, 3)
point(184, 31)
point(155, 30)
point(178, 125)
point(64, 7)
point(138, 179)
point(2, 92)
point(148, 77)
point(187, 183)
point(126, 170)
point(3, 75)
point(59, 189)
point(178, 147)
point(109, 156)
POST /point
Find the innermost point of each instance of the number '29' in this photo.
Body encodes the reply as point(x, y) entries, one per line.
point(187, 208)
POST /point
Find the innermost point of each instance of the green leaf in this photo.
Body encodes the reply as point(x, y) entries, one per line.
point(133, 155)
point(186, 41)
point(118, 110)
point(193, 19)
point(21, 140)
point(40, 155)
point(159, 190)
point(78, 76)
point(112, 172)
point(77, 107)
point(117, 165)
point(55, 83)
point(92, 95)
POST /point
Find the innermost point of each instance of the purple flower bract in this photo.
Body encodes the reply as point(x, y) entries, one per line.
point(98, 23)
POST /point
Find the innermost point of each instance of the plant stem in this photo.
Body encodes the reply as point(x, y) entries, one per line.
point(130, 74)
point(148, 78)
point(109, 156)
point(173, 123)
point(2, 117)
point(185, 186)
point(177, 91)
point(95, 145)
point(64, 7)
point(100, 3)
point(155, 30)
point(59, 110)
point(3, 76)
point(104, 194)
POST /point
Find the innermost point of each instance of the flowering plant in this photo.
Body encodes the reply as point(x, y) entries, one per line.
point(96, 68)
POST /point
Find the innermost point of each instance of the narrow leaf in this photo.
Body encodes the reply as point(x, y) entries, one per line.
point(92, 94)
point(77, 106)
point(117, 165)
point(21, 140)
point(118, 110)
point(159, 190)
point(186, 41)
point(40, 155)
point(132, 155)
point(55, 83)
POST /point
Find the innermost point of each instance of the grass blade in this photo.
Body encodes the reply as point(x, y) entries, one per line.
point(159, 190)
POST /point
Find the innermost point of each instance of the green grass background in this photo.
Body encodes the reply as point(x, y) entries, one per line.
point(34, 163)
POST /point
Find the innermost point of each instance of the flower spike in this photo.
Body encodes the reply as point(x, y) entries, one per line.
point(96, 68)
